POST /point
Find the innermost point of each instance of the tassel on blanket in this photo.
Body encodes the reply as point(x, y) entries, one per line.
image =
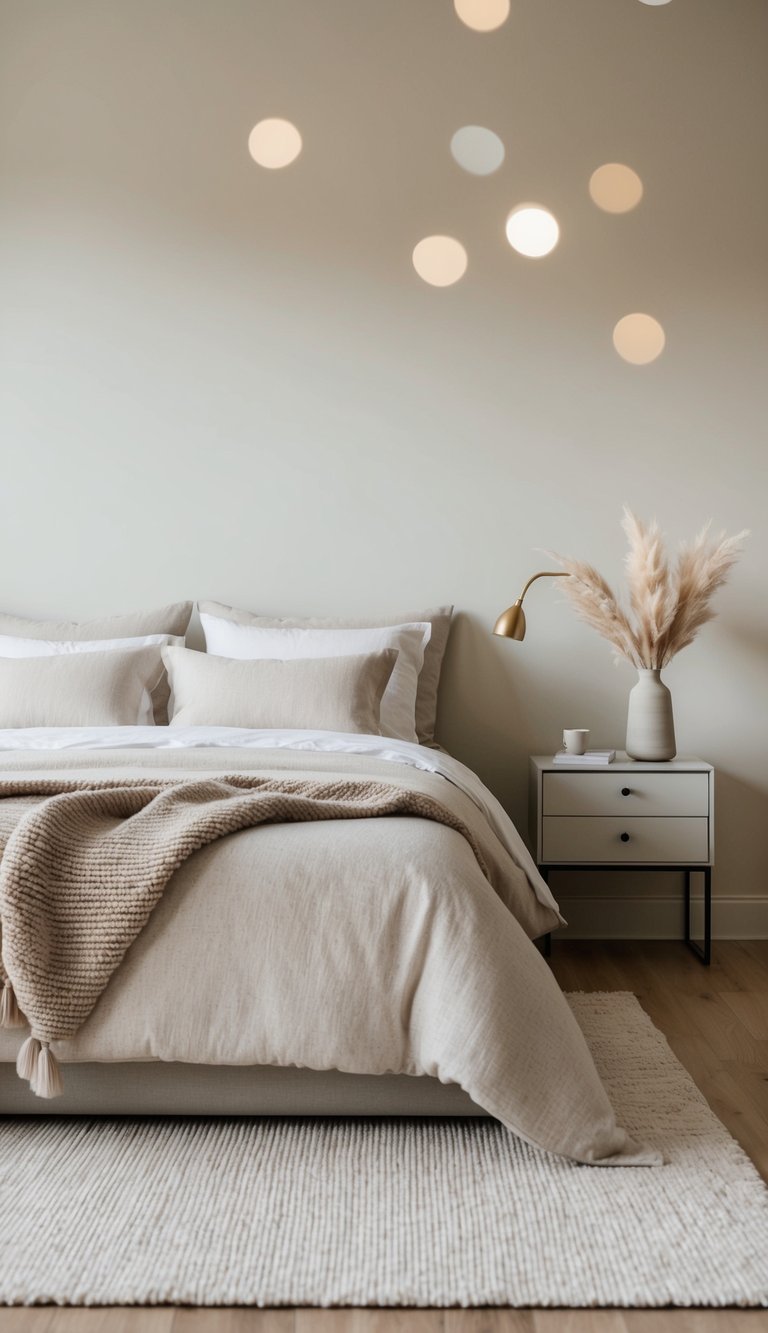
point(10, 1014)
point(26, 1060)
point(37, 1062)
point(47, 1081)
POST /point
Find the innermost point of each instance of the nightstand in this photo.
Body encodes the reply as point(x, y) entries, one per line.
point(627, 815)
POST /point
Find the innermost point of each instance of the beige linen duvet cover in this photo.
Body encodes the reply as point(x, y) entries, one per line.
point(368, 946)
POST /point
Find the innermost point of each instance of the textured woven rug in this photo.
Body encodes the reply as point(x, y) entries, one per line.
point(302, 1212)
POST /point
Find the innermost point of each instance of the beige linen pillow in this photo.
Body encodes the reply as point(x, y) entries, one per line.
point(171, 620)
point(429, 676)
point(111, 689)
point(313, 694)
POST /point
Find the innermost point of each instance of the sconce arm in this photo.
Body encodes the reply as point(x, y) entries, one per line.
point(544, 574)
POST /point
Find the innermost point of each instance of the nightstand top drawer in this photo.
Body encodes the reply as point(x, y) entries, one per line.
point(638, 794)
point(625, 841)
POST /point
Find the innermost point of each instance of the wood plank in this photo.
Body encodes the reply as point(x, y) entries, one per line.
point(25, 1321)
point(489, 1321)
point(579, 1321)
point(696, 1321)
point(751, 1009)
point(752, 1082)
point(675, 968)
point(232, 1321)
point(746, 964)
point(117, 1319)
point(396, 1321)
point(369, 1321)
point(725, 1034)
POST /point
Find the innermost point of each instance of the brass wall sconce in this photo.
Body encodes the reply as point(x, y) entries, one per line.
point(511, 623)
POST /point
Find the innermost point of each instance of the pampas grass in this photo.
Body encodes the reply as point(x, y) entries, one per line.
point(667, 604)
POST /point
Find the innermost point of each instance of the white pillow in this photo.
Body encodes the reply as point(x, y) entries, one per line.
point(225, 638)
point(12, 646)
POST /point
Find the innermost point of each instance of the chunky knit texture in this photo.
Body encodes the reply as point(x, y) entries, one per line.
point(85, 863)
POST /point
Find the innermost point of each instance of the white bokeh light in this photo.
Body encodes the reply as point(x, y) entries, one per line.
point(477, 150)
point(440, 260)
point(274, 143)
point(639, 339)
point(482, 15)
point(532, 230)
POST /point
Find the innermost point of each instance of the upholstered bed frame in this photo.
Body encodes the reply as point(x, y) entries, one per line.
point(158, 1088)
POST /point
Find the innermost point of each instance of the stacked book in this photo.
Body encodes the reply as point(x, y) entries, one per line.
point(592, 757)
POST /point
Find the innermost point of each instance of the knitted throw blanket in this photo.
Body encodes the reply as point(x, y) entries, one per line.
point(85, 862)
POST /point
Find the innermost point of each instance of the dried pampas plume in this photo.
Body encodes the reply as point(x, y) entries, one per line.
point(667, 606)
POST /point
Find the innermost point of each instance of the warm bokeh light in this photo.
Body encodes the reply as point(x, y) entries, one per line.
point(274, 143)
point(440, 260)
point(532, 231)
point(615, 188)
point(482, 15)
point(477, 150)
point(639, 339)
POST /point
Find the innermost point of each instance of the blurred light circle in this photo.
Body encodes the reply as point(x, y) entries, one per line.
point(639, 339)
point(615, 188)
point(274, 143)
point(654, 2)
point(532, 230)
point(482, 15)
point(440, 260)
point(477, 150)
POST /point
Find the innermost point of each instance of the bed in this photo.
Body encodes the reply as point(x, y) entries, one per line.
point(353, 966)
point(248, 881)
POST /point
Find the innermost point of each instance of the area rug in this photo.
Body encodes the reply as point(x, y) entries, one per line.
point(367, 1212)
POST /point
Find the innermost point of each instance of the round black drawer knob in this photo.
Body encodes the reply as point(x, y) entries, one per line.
point(626, 791)
point(625, 837)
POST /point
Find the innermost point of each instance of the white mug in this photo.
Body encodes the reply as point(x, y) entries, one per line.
point(575, 742)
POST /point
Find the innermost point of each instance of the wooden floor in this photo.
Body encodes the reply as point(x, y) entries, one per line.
point(716, 1020)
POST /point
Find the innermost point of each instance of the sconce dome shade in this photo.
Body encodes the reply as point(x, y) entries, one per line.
point(511, 623)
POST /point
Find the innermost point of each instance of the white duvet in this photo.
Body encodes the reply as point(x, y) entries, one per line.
point(370, 946)
point(319, 742)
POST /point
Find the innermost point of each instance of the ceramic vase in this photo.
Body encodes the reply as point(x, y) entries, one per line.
point(650, 724)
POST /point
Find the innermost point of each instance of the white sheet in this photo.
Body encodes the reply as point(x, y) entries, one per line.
point(397, 752)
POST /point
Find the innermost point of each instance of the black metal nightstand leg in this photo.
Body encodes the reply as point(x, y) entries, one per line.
point(703, 954)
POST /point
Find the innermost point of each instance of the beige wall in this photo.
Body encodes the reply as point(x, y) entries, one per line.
point(221, 381)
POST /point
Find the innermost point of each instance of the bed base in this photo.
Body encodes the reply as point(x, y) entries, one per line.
point(158, 1088)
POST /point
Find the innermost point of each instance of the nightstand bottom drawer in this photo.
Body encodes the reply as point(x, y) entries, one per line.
point(664, 840)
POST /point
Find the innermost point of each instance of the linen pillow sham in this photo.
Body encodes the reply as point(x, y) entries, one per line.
point(10, 646)
point(429, 676)
point(111, 689)
point(224, 638)
point(171, 620)
point(314, 694)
